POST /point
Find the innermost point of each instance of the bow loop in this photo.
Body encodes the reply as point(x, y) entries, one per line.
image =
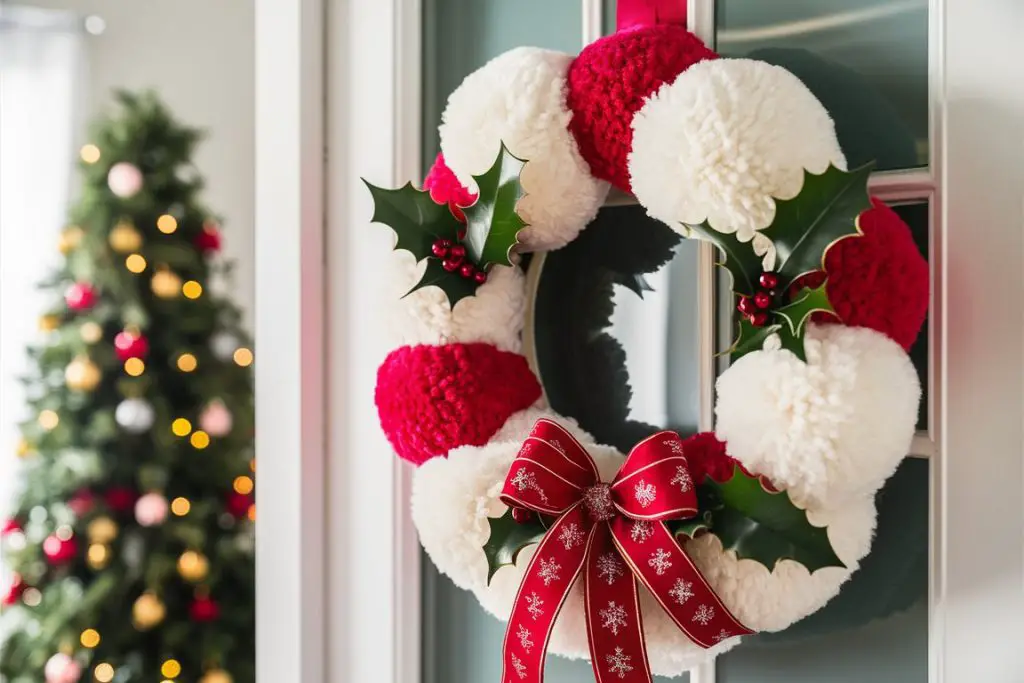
point(551, 471)
point(654, 483)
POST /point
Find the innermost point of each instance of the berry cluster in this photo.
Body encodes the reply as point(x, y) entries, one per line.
point(453, 257)
point(756, 308)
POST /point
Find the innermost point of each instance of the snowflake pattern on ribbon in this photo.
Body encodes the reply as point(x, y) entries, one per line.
point(681, 591)
point(704, 615)
point(534, 605)
point(557, 445)
point(644, 493)
point(683, 478)
point(610, 568)
point(527, 481)
point(660, 561)
point(598, 502)
point(641, 530)
point(571, 535)
point(613, 617)
point(673, 445)
point(549, 570)
point(518, 665)
point(618, 663)
point(524, 638)
point(722, 635)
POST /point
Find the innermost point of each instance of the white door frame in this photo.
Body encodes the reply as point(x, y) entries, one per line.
point(338, 565)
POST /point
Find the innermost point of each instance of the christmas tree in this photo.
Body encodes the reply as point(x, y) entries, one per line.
point(131, 541)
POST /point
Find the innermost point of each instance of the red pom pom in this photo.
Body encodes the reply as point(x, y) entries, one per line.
point(610, 80)
point(120, 498)
point(879, 281)
point(238, 504)
point(80, 296)
point(204, 609)
point(445, 188)
point(434, 398)
point(59, 551)
point(706, 456)
point(16, 590)
point(129, 345)
point(208, 240)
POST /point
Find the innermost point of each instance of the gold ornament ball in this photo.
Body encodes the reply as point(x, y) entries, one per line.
point(48, 323)
point(193, 566)
point(98, 556)
point(124, 238)
point(166, 284)
point(70, 239)
point(82, 374)
point(90, 332)
point(148, 611)
point(216, 676)
point(101, 530)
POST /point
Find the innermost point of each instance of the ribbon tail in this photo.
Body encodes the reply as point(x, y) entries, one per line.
point(615, 628)
point(546, 583)
point(675, 582)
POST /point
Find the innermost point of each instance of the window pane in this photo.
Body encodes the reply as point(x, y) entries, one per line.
point(866, 60)
point(876, 629)
point(917, 217)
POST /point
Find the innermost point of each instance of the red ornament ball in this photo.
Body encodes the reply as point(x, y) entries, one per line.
point(130, 345)
point(120, 498)
point(237, 504)
point(203, 610)
point(59, 551)
point(80, 297)
point(208, 240)
point(81, 502)
point(10, 526)
point(878, 281)
point(445, 188)
point(15, 591)
point(434, 398)
point(612, 78)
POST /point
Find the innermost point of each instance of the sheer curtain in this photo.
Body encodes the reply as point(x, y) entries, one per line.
point(41, 67)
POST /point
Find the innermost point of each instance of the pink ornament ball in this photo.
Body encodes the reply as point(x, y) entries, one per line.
point(80, 297)
point(61, 668)
point(151, 509)
point(124, 179)
point(59, 551)
point(216, 419)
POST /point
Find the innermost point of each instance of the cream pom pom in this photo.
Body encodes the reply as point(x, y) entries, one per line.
point(723, 139)
point(828, 430)
point(519, 98)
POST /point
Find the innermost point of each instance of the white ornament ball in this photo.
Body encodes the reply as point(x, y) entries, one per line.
point(216, 419)
point(125, 179)
point(61, 668)
point(134, 415)
point(223, 345)
point(151, 509)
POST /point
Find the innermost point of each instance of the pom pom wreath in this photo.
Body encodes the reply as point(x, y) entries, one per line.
point(829, 430)
point(723, 139)
point(445, 188)
point(494, 315)
point(434, 398)
point(518, 98)
point(612, 78)
point(452, 498)
point(878, 281)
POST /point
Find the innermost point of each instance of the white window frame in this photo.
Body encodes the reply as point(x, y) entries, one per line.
point(338, 576)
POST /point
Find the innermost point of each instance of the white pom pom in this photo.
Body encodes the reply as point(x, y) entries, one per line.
point(828, 430)
point(519, 98)
point(723, 139)
point(124, 179)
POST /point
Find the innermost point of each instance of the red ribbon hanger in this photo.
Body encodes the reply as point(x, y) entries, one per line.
point(635, 13)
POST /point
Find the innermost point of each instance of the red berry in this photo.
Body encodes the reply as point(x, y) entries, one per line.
point(480, 277)
point(467, 270)
point(769, 280)
point(522, 515)
point(759, 319)
point(746, 306)
point(458, 252)
point(450, 264)
point(440, 248)
point(762, 300)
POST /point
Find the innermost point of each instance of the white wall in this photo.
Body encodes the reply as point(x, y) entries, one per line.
point(199, 55)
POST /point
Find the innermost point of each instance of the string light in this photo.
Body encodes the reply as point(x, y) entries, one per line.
point(252, 465)
point(243, 357)
point(91, 332)
point(200, 439)
point(181, 427)
point(98, 555)
point(180, 506)
point(167, 224)
point(243, 485)
point(104, 673)
point(192, 289)
point(135, 263)
point(90, 153)
point(251, 514)
point(170, 669)
point(48, 419)
point(134, 367)
point(90, 638)
point(187, 362)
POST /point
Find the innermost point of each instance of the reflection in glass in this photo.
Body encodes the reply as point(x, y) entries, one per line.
point(866, 60)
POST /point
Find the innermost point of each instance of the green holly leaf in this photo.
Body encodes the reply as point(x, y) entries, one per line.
point(455, 287)
point(688, 528)
point(794, 317)
point(750, 338)
point(492, 224)
point(417, 220)
point(766, 526)
point(824, 212)
point(508, 538)
point(738, 257)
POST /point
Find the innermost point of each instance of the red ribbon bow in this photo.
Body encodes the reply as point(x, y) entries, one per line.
point(630, 14)
point(614, 534)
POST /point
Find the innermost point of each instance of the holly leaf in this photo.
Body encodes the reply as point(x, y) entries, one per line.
point(750, 338)
point(738, 257)
point(417, 220)
point(508, 538)
point(766, 526)
point(685, 529)
point(794, 317)
point(455, 287)
point(492, 224)
point(824, 212)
